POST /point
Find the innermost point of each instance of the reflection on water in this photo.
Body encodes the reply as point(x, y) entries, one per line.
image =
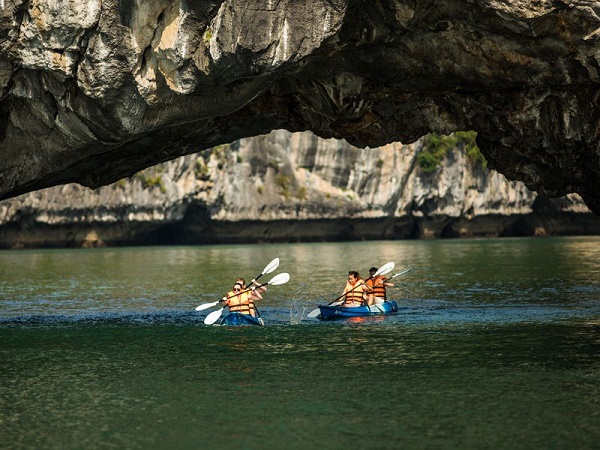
point(473, 276)
point(444, 386)
point(496, 344)
point(365, 320)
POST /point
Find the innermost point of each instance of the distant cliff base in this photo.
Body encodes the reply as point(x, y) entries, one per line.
point(295, 187)
point(294, 231)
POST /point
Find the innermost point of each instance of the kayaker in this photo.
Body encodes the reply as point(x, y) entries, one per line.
point(354, 290)
point(377, 285)
point(252, 282)
point(241, 300)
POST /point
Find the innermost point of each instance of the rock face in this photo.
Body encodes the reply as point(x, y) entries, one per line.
point(292, 187)
point(94, 91)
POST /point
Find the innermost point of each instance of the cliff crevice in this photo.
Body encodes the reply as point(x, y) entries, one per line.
point(92, 92)
point(288, 187)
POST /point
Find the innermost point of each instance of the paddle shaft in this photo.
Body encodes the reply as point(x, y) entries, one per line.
point(391, 278)
point(274, 264)
point(315, 312)
point(244, 291)
point(346, 293)
point(386, 268)
point(282, 278)
point(254, 280)
point(363, 284)
point(270, 268)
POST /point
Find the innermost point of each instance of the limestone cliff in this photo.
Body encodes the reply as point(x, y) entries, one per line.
point(292, 187)
point(93, 91)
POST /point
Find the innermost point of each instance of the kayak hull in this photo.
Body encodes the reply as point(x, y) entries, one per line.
point(341, 312)
point(235, 319)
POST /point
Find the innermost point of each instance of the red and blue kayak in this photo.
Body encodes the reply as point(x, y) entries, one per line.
point(342, 312)
point(236, 318)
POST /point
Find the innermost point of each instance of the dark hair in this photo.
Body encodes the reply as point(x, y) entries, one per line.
point(373, 269)
point(237, 284)
point(355, 273)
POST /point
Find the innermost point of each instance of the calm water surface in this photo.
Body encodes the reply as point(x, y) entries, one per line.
point(496, 345)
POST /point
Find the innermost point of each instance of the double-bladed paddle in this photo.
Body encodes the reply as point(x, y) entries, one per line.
point(390, 279)
point(386, 268)
point(399, 273)
point(268, 269)
point(278, 279)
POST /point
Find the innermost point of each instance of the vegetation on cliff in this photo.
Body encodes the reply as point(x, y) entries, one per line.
point(435, 147)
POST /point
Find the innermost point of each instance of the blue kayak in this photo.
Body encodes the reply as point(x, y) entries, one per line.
point(342, 312)
point(235, 318)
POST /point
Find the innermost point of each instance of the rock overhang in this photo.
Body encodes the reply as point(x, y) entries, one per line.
point(92, 92)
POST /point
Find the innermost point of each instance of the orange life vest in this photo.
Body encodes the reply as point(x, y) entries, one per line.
point(356, 295)
point(378, 287)
point(242, 302)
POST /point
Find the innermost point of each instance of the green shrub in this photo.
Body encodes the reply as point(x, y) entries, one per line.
point(429, 161)
point(121, 184)
point(302, 193)
point(207, 36)
point(273, 164)
point(283, 182)
point(151, 181)
point(436, 147)
point(220, 153)
point(201, 170)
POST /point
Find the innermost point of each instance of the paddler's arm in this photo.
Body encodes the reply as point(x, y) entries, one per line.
point(364, 286)
point(256, 291)
point(386, 283)
point(345, 291)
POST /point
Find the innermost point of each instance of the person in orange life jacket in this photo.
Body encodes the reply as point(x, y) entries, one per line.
point(253, 281)
point(243, 302)
point(377, 287)
point(354, 290)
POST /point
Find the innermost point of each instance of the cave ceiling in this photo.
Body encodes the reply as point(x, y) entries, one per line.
point(91, 92)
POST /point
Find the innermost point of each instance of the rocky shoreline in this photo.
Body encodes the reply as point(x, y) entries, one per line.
point(293, 187)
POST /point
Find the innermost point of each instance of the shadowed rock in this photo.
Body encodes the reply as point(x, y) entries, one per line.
point(95, 91)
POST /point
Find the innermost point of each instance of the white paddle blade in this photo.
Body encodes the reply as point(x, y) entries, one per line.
point(271, 266)
point(205, 306)
point(213, 317)
point(314, 313)
point(280, 278)
point(386, 268)
point(403, 272)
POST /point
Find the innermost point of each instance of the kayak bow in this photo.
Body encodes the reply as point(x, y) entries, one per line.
point(235, 318)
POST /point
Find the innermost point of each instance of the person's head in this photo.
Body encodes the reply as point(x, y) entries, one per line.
point(353, 276)
point(372, 271)
point(237, 287)
point(241, 282)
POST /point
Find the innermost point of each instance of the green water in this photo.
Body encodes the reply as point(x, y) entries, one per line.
point(496, 345)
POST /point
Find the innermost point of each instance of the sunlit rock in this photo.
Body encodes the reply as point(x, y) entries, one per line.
point(94, 91)
point(289, 187)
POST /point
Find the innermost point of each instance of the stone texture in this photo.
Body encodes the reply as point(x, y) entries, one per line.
point(291, 187)
point(94, 91)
